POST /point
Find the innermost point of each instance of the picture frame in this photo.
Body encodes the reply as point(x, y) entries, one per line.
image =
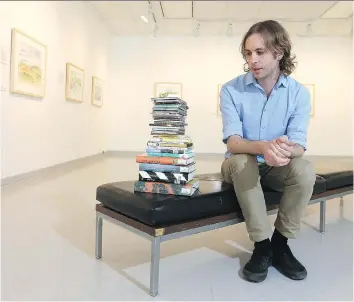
point(311, 88)
point(164, 89)
point(74, 87)
point(97, 92)
point(28, 62)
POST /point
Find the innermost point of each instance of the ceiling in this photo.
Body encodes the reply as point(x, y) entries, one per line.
point(224, 18)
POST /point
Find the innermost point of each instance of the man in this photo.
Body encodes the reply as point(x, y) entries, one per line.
point(265, 116)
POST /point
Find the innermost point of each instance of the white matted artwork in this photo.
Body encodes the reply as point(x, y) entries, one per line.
point(311, 88)
point(97, 92)
point(28, 65)
point(164, 89)
point(74, 88)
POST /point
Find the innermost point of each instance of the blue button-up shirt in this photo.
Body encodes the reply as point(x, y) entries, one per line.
point(247, 112)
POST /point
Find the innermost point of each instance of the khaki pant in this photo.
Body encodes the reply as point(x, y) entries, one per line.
point(295, 180)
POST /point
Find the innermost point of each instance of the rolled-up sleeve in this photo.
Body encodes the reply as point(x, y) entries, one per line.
point(231, 122)
point(300, 119)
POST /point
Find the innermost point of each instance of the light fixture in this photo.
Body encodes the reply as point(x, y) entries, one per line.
point(229, 32)
point(196, 30)
point(308, 33)
point(144, 19)
point(154, 30)
point(309, 29)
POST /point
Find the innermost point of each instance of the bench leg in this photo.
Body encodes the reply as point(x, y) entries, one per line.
point(98, 237)
point(154, 269)
point(322, 216)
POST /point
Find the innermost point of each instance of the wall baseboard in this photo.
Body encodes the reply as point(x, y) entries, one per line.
point(77, 163)
point(68, 165)
point(83, 161)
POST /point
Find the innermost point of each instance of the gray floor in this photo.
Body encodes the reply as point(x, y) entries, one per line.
point(48, 236)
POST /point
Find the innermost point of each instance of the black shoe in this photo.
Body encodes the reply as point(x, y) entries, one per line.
point(256, 269)
point(285, 262)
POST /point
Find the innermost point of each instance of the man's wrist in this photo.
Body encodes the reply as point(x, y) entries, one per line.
point(297, 151)
point(260, 146)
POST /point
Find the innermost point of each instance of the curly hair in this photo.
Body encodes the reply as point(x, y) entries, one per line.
point(276, 39)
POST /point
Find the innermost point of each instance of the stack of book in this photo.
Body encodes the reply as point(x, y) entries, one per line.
point(168, 164)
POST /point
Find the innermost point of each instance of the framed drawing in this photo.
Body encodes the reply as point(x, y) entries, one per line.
point(168, 89)
point(311, 88)
point(97, 92)
point(74, 88)
point(28, 65)
point(218, 113)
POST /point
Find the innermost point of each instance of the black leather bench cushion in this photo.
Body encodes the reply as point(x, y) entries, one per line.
point(337, 180)
point(319, 187)
point(213, 198)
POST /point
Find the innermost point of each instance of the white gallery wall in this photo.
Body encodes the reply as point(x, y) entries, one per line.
point(200, 64)
point(38, 133)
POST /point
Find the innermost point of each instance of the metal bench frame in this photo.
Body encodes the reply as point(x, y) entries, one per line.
point(158, 235)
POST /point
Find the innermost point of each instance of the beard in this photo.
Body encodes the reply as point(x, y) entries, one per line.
point(266, 73)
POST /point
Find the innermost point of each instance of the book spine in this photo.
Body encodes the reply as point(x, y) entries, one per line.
point(163, 188)
point(181, 139)
point(162, 160)
point(175, 155)
point(169, 150)
point(176, 178)
point(166, 168)
point(169, 144)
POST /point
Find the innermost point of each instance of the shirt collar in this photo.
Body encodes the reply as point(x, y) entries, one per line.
point(250, 79)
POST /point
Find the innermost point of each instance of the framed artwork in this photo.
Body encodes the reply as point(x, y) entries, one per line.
point(74, 88)
point(97, 92)
point(28, 65)
point(218, 113)
point(168, 89)
point(311, 88)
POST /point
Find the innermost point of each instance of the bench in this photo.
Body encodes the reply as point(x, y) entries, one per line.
point(160, 217)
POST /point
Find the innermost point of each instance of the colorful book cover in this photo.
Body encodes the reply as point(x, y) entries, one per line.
point(163, 160)
point(184, 155)
point(169, 144)
point(187, 189)
point(171, 138)
point(166, 168)
point(174, 150)
point(168, 177)
point(166, 131)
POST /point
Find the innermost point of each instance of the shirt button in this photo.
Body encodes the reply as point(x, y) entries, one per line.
point(263, 127)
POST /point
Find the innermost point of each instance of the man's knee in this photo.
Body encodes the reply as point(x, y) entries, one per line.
point(303, 171)
point(242, 170)
point(239, 162)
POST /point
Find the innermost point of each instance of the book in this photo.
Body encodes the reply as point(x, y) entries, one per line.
point(168, 164)
point(169, 177)
point(166, 168)
point(164, 144)
point(187, 189)
point(173, 150)
point(171, 138)
point(183, 155)
point(163, 160)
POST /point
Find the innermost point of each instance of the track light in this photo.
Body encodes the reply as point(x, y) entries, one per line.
point(309, 29)
point(155, 28)
point(229, 32)
point(144, 19)
point(196, 31)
